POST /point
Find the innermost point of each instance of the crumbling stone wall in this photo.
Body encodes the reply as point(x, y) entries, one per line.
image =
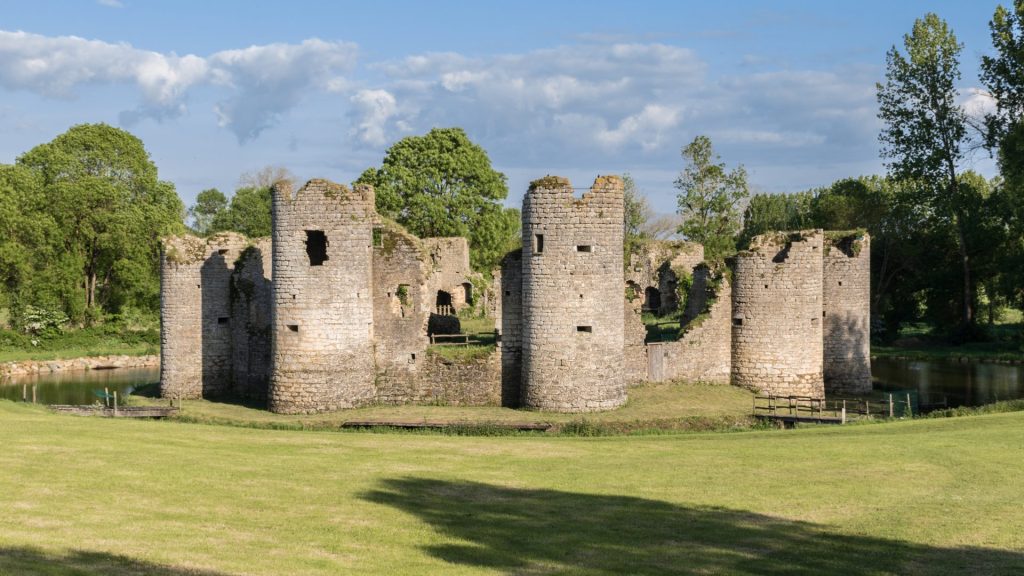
point(403, 299)
point(634, 353)
point(704, 352)
point(658, 265)
point(251, 296)
point(195, 312)
point(323, 312)
point(509, 325)
point(450, 271)
point(572, 296)
point(847, 304)
point(777, 315)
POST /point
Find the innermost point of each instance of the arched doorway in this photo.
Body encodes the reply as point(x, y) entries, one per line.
point(443, 304)
point(652, 299)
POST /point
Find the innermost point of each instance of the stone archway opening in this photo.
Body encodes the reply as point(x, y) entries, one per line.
point(652, 299)
point(443, 303)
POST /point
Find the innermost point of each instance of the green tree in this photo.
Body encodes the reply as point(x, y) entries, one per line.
point(442, 184)
point(209, 204)
point(775, 212)
point(1003, 73)
point(925, 130)
point(710, 199)
point(248, 213)
point(637, 214)
point(102, 190)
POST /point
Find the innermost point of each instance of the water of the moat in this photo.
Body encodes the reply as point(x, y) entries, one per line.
point(960, 384)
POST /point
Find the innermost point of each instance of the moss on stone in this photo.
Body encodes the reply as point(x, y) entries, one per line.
point(550, 182)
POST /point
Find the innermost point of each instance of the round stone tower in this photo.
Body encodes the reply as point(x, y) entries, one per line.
point(195, 314)
point(777, 315)
point(322, 320)
point(572, 299)
point(847, 305)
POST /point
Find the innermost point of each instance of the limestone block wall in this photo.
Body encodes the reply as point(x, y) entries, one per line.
point(704, 352)
point(657, 266)
point(634, 353)
point(777, 315)
point(509, 281)
point(402, 301)
point(846, 305)
point(195, 314)
point(251, 296)
point(450, 271)
point(322, 300)
point(573, 280)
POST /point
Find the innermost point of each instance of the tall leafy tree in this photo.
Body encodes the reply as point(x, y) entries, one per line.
point(209, 204)
point(710, 198)
point(926, 130)
point(102, 190)
point(248, 213)
point(442, 184)
point(637, 213)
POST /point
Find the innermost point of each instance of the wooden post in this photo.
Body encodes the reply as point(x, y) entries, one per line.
point(844, 411)
point(33, 393)
point(24, 392)
point(115, 403)
point(890, 406)
point(910, 412)
point(106, 397)
point(867, 408)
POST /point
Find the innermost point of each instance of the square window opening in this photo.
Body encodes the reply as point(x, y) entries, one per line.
point(585, 329)
point(222, 320)
point(293, 327)
point(737, 321)
point(584, 248)
point(316, 247)
point(538, 243)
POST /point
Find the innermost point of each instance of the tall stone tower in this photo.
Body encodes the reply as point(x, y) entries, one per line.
point(322, 349)
point(777, 315)
point(195, 314)
point(847, 304)
point(572, 296)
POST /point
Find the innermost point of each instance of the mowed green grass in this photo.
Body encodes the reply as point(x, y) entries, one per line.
point(650, 407)
point(100, 496)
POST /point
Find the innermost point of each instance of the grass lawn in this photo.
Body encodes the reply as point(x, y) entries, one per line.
point(652, 406)
point(96, 496)
point(79, 352)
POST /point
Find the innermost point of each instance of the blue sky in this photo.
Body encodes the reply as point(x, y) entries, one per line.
point(215, 89)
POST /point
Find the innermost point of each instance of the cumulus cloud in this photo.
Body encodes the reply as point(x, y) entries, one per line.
point(263, 81)
point(373, 108)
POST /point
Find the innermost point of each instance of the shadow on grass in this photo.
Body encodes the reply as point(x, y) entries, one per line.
point(542, 531)
point(30, 561)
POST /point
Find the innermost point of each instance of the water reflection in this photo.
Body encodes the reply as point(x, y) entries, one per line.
point(78, 386)
point(962, 384)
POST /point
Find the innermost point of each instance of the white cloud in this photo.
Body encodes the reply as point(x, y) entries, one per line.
point(374, 108)
point(978, 103)
point(263, 81)
point(111, 3)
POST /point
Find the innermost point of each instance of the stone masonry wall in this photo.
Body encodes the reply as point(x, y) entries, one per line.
point(402, 301)
point(656, 266)
point(634, 353)
point(323, 314)
point(704, 352)
point(777, 309)
point(251, 295)
point(509, 281)
point(847, 304)
point(572, 296)
point(195, 314)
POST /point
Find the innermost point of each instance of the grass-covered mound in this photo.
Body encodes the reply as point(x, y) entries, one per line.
point(95, 496)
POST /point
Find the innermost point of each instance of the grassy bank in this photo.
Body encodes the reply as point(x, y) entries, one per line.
point(94, 496)
point(105, 340)
point(654, 407)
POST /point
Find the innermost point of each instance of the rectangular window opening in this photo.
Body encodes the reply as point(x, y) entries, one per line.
point(222, 320)
point(737, 321)
point(293, 327)
point(538, 243)
point(316, 247)
point(587, 329)
point(584, 248)
point(508, 292)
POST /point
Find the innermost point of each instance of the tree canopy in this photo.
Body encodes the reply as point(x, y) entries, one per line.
point(442, 184)
point(710, 198)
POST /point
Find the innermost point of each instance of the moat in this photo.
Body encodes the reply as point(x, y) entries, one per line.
point(960, 384)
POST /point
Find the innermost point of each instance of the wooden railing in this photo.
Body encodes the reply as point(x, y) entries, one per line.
point(834, 410)
point(445, 310)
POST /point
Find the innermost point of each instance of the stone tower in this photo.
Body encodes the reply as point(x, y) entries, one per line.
point(195, 314)
point(572, 296)
point(777, 315)
point(847, 304)
point(322, 345)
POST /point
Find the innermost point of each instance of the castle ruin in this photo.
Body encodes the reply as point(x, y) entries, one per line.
point(340, 308)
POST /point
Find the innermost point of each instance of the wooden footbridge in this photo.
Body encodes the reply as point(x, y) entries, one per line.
point(791, 410)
